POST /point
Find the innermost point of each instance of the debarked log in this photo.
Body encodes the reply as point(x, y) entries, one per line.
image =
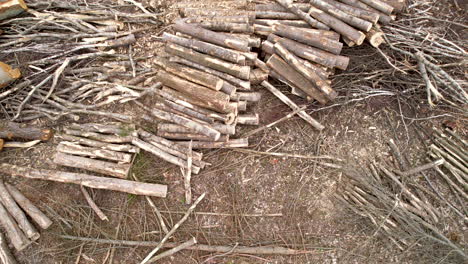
point(100, 144)
point(189, 136)
point(247, 96)
point(249, 18)
point(174, 128)
point(17, 238)
point(292, 23)
point(383, 18)
point(257, 76)
point(343, 16)
point(248, 119)
point(275, 7)
point(7, 73)
point(379, 5)
point(233, 143)
point(96, 182)
point(182, 110)
point(11, 130)
point(303, 15)
point(98, 136)
point(11, 8)
point(227, 27)
point(76, 149)
point(5, 254)
point(276, 15)
point(355, 11)
point(120, 129)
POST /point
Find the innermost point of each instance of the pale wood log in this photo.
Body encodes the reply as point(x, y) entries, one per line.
point(375, 37)
point(338, 25)
point(99, 166)
point(275, 7)
point(241, 106)
point(241, 72)
point(383, 18)
point(14, 233)
point(398, 5)
point(311, 75)
point(309, 37)
point(164, 155)
point(233, 143)
point(379, 5)
point(248, 119)
point(36, 215)
point(358, 12)
point(5, 254)
point(173, 107)
point(303, 15)
point(276, 15)
point(302, 114)
point(294, 90)
point(97, 136)
point(257, 76)
point(174, 128)
point(2, 144)
point(100, 144)
point(189, 136)
point(343, 16)
point(228, 88)
point(95, 182)
point(93, 205)
point(193, 75)
point(208, 48)
point(15, 211)
point(248, 19)
point(227, 27)
point(262, 65)
point(120, 129)
point(233, 80)
point(212, 37)
point(121, 42)
point(11, 130)
point(292, 23)
point(7, 73)
point(349, 42)
point(11, 8)
point(247, 96)
point(289, 73)
point(76, 149)
point(332, 35)
point(262, 30)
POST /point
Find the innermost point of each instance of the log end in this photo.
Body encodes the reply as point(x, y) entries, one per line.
point(47, 134)
point(376, 39)
point(219, 84)
point(2, 142)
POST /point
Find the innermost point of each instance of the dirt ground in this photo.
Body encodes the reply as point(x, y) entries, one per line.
point(253, 198)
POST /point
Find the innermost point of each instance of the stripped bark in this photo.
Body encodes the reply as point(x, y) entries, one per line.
point(233, 143)
point(92, 152)
point(17, 238)
point(341, 15)
point(100, 144)
point(174, 128)
point(11, 130)
point(303, 15)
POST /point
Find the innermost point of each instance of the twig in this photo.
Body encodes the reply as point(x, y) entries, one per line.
point(418, 169)
point(188, 175)
point(174, 250)
point(288, 116)
point(93, 205)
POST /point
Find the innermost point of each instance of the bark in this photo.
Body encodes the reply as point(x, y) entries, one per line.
point(15, 211)
point(212, 37)
point(355, 11)
point(193, 75)
point(189, 136)
point(7, 74)
point(303, 15)
point(289, 73)
point(121, 42)
point(205, 47)
point(11, 8)
point(11, 130)
point(257, 76)
point(75, 149)
point(96, 182)
point(164, 155)
point(310, 37)
point(242, 19)
point(5, 254)
point(233, 143)
point(341, 15)
point(174, 128)
point(311, 75)
point(97, 136)
point(104, 167)
point(262, 65)
point(241, 72)
point(276, 15)
point(227, 27)
point(338, 25)
point(17, 238)
point(274, 7)
point(262, 30)
point(2, 144)
point(183, 110)
point(108, 128)
point(292, 23)
point(249, 96)
point(398, 5)
point(302, 114)
point(383, 18)
point(241, 106)
point(233, 80)
point(100, 144)
point(294, 89)
point(248, 119)
point(36, 215)
point(228, 88)
point(375, 37)
point(379, 5)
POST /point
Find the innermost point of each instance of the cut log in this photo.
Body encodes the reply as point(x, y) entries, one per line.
point(242, 19)
point(292, 23)
point(189, 136)
point(193, 75)
point(99, 166)
point(311, 75)
point(233, 80)
point(289, 73)
point(241, 106)
point(15, 211)
point(17, 238)
point(248, 119)
point(92, 204)
point(257, 76)
point(355, 11)
point(398, 5)
point(262, 30)
point(7, 74)
point(99, 144)
point(228, 88)
point(5, 254)
point(36, 215)
point(75, 149)
point(302, 114)
point(249, 96)
point(121, 42)
point(227, 27)
point(91, 181)
point(97, 136)
point(383, 18)
point(109, 128)
point(294, 89)
point(276, 15)
point(262, 65)
point(375, 37)
point(164, 155)
point(233, 143)
point(379, 5)
point(341, 15)
point(178, 109)
point(11, 8)
point(212, 37)
point(208, 48)
point(11, 130)
point(174, 128)
point(303, 15)
point(242, 72)
point(309, 37)
point(274, 7)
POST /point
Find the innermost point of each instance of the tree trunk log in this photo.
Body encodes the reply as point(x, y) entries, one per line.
point(227, 27)
point(249, 97)
point(75, 149)
point(383, 18)
point(242, 19)
point(375, 37)
point(241, 72)
point(293, 106)
point(7, 74)
point(172, 107)
point(193, 75)
point(174, 128)
point(99, 144)
point(212, 37)
point(15, 211)
point(355, 11)
point(276, 15)
point(274, 7)
point(121, 42)
point(91, 181)
point(310, 75)
point(262, 30)
point(341, 15)
point(37, 215)
point(228, 88)
point(379, 5)
point(257, 76)
point(93, 205)
point(119, 129)
point(398, 5)
point(248, 119)
point(189, 136)
point(11, 8)
point(5, 254)
point(233, 80)
point(242, 106)
point(233, 143)
point(108, 168)
point(303, 15)
point(290, 74)
point(208, 48)
point(11, 130)
point(309, 37)
point(291, 23)
point(97, 136)
point(17, 238)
